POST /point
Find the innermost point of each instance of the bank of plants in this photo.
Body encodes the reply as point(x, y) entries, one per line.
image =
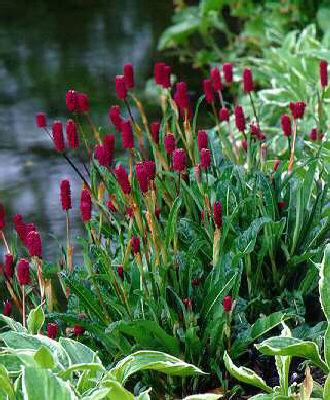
point(205, 239)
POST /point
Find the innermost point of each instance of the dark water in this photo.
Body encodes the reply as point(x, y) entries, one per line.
point(47, 47)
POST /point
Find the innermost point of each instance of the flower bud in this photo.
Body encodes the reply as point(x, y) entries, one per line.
point(281, 205)
point(227, 69)
point(142, 177)
point(9, 266)
point(216, 79)
point(121, 89)
point(227, 303)
point(120, 271)
point(83, 102)
point(58, 139)
point(195, 282)
point(135, 244)
point(188, 303)
point(85, 205)
point(247, 80)
point(217, 214)
point(102, 155)
point(286, 125)
point(129, 76)
point(159, 73)
point(115, 118)
point(208, 91)
point(33, 244)
point(150, 167)
point(166, 77)
point(244, 144)
point(111, 206)
point(109, 144)
point(197, 173)
point(314, 135)
point(78, 330)
point(179, 160)
point(41, 121)
point(324, 73)
point(155, 126)
point(169, 143)
point(277, 162)
point(224, 114)
point(202, 140)
point(263, 152)
point(71, 100)
point(127, 135)
point(52, 330)
point(72, 134)
point(23, 272)
point(65, 195)
point(122, 179)
point(239, 118)
point(7, 308)
point(205, 158)
point(181, 97)
point(2, 216)
point(297, 109)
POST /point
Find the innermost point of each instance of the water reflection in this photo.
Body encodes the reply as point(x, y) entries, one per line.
point(45, 48)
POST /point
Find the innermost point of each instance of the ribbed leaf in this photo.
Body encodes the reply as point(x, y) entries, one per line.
point(245, 375)
point(5, 384)
point(78, 352)
point(151, 360)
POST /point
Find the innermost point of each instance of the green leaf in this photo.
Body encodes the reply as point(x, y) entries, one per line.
point(44, 358)
point(245, 375)
point(5, 384)
point(210, 5)
point(247, 240)
point(78, 352)
point(81, 367)
point(325, 299)
point(97, 394)
point(326, 390)
point(289, 346)
point(12, 324)
point(205, 396)
point(178, 33)
point(117, 391)
point(35, 320)
point(172, 221)
point(151, 360)
point(41, 384)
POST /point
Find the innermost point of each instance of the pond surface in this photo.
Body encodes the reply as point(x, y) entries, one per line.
point(46, 48)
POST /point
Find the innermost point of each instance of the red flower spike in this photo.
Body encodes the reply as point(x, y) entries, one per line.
point(33, 244)
point(244, 144)
point(7, 308)
point(23, 272)
point(115, 118)
point(195, 282)
point(324, 73)
point(227, 69)
point(72, 134)
point(227, 303)
point(216, 79)
point(239, 118)
point(109, 144)
point(159, 73)
point(85, 205)
point(78, 330)
point(58, 138)
point(121, 88)
point(202, 140)
point(129, 76)
point(41, 120)
point(166, 77)
point(19, 226)
point(83, 102)
point(261, 137)
point(111, 206)
point(127, 135)
point(169, 143)
point(142, 177)
point(120, 271)
point(217, 214)
point(52, 330)
point(188, 303)
point(150, 167)
point(286, 125)
point(155, 127)
point(2, 216)
point(129, 212)
point(297, 109)
point(281, 205)
point(29, 227)
point(208, 91)
point(205, 158)
point(122, 179)
point(71, 100)
point(65, 195)
point(102, 155)
point(135, 244)
point(157, 212)
point(181, 97)
point(314, 135)
point(179, 160)
point(224, 114)
point(255, 130)
point(202, 215)
point(9, 266)
point(247, 80)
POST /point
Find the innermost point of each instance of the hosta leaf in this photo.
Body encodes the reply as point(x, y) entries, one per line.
point(35, 320)
point(205, 396)
point(44, 358)
point(245, 375)
point(81, 367)
point(5, 384)
point(97, 394)
point(325, 298)
point(289, 346)
point(78, 352)
point(151, 360)
point(117, 391)
point(41, 384)
point(12, 324)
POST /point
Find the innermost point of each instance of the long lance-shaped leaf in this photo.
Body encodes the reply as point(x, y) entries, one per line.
point(325, 299)
point(245, 375)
